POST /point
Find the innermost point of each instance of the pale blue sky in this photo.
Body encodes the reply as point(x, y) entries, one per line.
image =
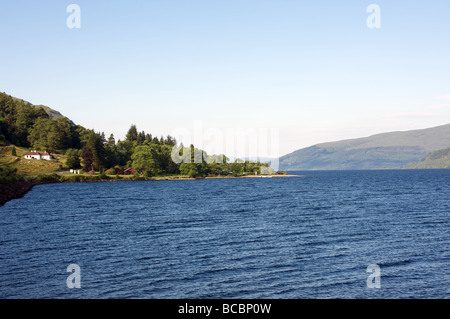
point(312, 69)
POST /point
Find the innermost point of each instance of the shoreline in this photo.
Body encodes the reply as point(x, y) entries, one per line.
point(19, 189)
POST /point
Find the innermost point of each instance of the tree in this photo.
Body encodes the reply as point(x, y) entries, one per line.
point(88, 159)
point(171, 141)
point(13, 151)
point(189, 169)
point(148, 138)
point(155, 140)
point(96, 142)
point(73, 159)
point(132, 134)
point(65, 132)
point(39, 136)
point(111, 152)
point(54, 139)
point(141, 137)
point(145, 160)
point(167, 165)
point(237, 168)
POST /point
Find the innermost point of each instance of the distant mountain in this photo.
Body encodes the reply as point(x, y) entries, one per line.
point(436, 159)
point(386, 150)
point(54, 115)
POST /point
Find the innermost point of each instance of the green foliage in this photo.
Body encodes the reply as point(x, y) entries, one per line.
point(17, 117)
point(96, 143)
point(110, 171)
point(148, 174)
point(132, 134)
point(13, 151)
point(136, 176)
point(73, 178)
point(73, 158)
point(103, 176)
point(439, 154)
point(9, 175)
point(145, 159)
point(44, 129)
point(434, 160)
point(47, 178)
point(82, 178)
point(192, 170)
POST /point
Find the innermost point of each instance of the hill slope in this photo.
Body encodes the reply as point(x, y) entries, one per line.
point(437, 159)
point(29, 167)
point(53, 114)
point(386, 150)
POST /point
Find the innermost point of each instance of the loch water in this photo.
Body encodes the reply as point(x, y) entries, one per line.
point(312, 236)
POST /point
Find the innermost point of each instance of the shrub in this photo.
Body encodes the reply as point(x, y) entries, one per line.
point(102, 176)
point(9, 175)
point(111, 171)
point(148, 174)
point(47, 178)
point(94, 178)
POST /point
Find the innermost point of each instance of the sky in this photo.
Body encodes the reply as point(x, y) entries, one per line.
point(305, 71)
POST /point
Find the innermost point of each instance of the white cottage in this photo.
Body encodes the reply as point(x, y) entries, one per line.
point(37, 155)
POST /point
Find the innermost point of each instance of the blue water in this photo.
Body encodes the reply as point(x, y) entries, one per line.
point(302, 237)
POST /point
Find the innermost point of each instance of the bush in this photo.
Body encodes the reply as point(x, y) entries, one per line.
point(9, 175)
point(111, 171)
point(148, 174)
point(73, 178)
point(47, 178)
point(102, 176)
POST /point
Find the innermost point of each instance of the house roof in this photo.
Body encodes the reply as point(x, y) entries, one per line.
point(37, 153)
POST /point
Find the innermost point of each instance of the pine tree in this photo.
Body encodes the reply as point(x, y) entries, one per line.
point(132, 134)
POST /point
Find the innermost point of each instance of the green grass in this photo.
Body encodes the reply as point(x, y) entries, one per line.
point(30, 167)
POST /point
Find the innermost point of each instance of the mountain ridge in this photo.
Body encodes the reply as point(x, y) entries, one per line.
point(52, 113)
point(383, 150)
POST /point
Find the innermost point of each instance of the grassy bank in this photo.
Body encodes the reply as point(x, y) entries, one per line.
point(30, 167)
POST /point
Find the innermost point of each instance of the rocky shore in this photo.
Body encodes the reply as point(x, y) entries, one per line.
point(12, 191)
point(16, 190)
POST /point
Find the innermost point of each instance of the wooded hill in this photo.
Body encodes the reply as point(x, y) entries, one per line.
point(41, 128)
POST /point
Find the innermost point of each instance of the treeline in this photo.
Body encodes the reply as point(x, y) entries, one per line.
point(139, 150)
point(25, 125)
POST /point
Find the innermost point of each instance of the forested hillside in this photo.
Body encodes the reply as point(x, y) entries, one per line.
point(25, 125)
point(436, 159)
